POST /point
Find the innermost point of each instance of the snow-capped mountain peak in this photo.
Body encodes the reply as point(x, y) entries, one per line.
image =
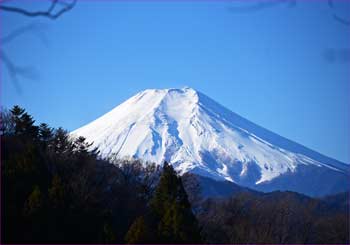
point(196, 134)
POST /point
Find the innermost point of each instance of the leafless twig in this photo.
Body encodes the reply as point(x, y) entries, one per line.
point(34, 28)
point(260, 5)
point(337, 17)
point(52, 12)
point(337, 56)
point(16, 71)
point(341, 20)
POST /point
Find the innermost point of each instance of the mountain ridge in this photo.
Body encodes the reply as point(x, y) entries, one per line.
point(196, 134)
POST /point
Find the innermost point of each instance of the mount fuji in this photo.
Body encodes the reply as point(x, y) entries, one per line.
point(195, 134)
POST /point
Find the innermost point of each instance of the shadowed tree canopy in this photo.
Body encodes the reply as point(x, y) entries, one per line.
point(170, 219)
point(56, 190)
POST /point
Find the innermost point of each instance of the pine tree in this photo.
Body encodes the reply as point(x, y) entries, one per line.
point(45, 133)
point(108, 234)
point(62, 144)
point(28, 127)
point(81, 145)
point(17, 112)
point(56, 192)
point(137, 232)
point(34, 202)
point(24, 123)
point(177, 222)
point(83, 148)
point(171, 219)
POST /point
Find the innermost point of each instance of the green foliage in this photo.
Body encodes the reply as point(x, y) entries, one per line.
point(108, 233)
point(170, 219)
point(34, 202)
point(56, 190)
point(61, 143)
point(139, 232)
point(273, 218)
point(45, 133)
point(24, 123)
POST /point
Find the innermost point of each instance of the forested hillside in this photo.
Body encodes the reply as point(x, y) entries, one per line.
point(55, 189)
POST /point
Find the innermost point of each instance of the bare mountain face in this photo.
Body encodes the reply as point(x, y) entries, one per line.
point(195, 134)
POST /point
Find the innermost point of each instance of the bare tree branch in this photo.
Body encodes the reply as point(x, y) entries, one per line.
point(262, 5)
point(16, 72)
point(336, 17)
point(55, 10)
point(51, 12)
point(337, 56)
point(33, 28)
point(341, 20)
point(330, 4)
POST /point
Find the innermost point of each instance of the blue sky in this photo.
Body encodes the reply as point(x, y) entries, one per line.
point(284, 68)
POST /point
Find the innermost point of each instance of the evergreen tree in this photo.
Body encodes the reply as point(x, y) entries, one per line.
point(81, 145)
point(24, 123)
point(56, 192)
point(28, 127)
point(170, 218)
point(83, 149)
point(61, 141)
point(34, 202)
point(139, 232)
point(45, 133)
point(17, 112)
point(108, 234)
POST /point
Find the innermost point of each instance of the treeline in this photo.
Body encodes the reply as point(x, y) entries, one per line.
point(248, 216)
point(277, 217)
point(278, 220)
point(55, 189)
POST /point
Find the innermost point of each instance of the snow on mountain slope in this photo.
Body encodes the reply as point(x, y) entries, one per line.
point(195, 134)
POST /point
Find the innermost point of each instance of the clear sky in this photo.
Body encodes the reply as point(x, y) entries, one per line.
point(285, 67)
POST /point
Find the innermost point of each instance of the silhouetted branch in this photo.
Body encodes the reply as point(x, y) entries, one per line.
point(337, 56)
point(24, 29)
point(51, 12)
point(341, 20)
point(336, 17)
point(54, 10)
point(262, 5)
point(17, 71)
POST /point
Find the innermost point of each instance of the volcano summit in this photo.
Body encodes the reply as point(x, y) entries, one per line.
point(195, 134)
